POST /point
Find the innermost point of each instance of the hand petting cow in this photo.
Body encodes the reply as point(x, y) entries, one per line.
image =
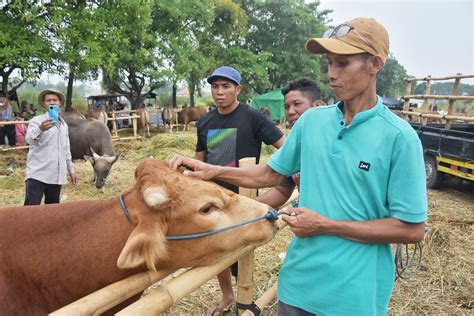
point(91, 140)
point(55, 254)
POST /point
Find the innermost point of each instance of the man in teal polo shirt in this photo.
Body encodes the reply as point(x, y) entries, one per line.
point(362, 184)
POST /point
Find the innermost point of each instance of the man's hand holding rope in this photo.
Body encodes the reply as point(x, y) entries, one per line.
point(304, 222)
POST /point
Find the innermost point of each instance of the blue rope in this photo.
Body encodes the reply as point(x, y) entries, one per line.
point(272, 215)
point(124, 208)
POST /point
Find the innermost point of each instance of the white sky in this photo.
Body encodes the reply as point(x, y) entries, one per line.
point(427, 37)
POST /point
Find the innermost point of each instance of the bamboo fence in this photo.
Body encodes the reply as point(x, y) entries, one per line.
point(425, 114)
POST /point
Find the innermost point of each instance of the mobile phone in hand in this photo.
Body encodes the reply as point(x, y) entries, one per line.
point(53, 111)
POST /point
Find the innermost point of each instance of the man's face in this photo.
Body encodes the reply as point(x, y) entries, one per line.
point(348, 75)
point(224, 92)
point(296, 103)
point(51, 99)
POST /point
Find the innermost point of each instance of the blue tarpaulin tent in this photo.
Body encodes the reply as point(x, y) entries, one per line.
point(272, 100)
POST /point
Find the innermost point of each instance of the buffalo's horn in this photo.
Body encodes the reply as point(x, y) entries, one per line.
point(110, 159)
point(156, 197)
point(94, 154)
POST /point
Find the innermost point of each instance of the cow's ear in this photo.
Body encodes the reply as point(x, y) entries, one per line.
point(146, 245)
point(90, 159)
point(156, 197)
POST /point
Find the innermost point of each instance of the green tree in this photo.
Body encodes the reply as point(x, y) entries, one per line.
point(133, 63)
point(77, 29)
point(25, 52)
point(390, 81)
point(179, 25)
point(279, 30)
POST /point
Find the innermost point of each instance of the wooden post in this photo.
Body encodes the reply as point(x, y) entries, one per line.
point(425, 105)
point(245, 276)
point(114, 124)
point(406, 105)
point(454, 92)
point(135, 123)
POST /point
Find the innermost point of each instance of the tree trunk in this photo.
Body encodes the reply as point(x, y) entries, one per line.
point(191, 90)
point(5, 84)
point(174, 103)
point(70, 83)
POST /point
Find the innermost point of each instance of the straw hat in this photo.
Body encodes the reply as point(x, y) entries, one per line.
point(50, 91)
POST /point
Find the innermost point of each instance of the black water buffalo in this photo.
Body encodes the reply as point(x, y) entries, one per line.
point(91, 140)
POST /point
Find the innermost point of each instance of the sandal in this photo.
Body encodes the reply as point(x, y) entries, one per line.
point(219, 311)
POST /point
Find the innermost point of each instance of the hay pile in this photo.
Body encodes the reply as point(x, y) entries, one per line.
point(444, 285)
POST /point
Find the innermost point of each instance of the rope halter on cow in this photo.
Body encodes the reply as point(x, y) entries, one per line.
point(272, 215)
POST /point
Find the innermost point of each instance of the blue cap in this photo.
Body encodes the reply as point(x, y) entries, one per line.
point(225, 72)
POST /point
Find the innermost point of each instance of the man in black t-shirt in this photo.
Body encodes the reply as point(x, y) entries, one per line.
point(230, 132)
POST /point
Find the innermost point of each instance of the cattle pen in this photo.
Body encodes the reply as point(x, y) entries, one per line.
point(442, 286)
point(114, 132)
point(170, 293)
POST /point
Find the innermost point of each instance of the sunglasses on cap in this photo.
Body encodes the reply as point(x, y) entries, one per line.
point(342, 31)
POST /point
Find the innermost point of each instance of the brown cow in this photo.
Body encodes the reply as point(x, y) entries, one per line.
point(169, 118)
point(52, 255)
point(191, 114)
point(144, 121)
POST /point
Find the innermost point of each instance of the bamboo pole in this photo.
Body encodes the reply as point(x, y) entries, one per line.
point(5, 123)
point(438, 97)
point(245, 275)
point(123, 118)
point(264, 300)
point(406, 105)
point(15, 148)
point(102, 300)
point(461, 76)
point(439, 116)
point(427, 92)
point(114, 125)
point(271, 293)
point(126, 138)
point(134, 124)
point(454, 91)
point(424, 106)
point(167, 295)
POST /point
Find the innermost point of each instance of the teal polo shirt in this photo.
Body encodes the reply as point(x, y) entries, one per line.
point(371, 169)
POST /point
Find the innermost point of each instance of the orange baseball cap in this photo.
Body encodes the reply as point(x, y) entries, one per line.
point(360, 35)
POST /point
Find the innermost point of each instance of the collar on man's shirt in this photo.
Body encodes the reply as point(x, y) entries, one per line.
point(361, 116)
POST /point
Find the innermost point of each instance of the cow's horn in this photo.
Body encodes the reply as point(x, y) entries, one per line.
point(110, 159)
point(94, 154)
point(156, 197)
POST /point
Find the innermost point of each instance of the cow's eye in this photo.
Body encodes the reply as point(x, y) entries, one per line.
point(207, 209)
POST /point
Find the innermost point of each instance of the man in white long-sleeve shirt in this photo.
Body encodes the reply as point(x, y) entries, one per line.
point(49, 157)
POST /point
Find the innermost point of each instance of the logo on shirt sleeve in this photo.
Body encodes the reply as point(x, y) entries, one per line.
point(364, 165)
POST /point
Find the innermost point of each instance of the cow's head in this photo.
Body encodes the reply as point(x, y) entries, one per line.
point(169, 203)
point(102, 166)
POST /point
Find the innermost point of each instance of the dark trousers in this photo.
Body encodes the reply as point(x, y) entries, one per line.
point(36, 189)
point(9, 131)
point(288, 310)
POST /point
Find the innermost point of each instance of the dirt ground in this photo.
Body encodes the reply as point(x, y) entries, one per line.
point(443, 285)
